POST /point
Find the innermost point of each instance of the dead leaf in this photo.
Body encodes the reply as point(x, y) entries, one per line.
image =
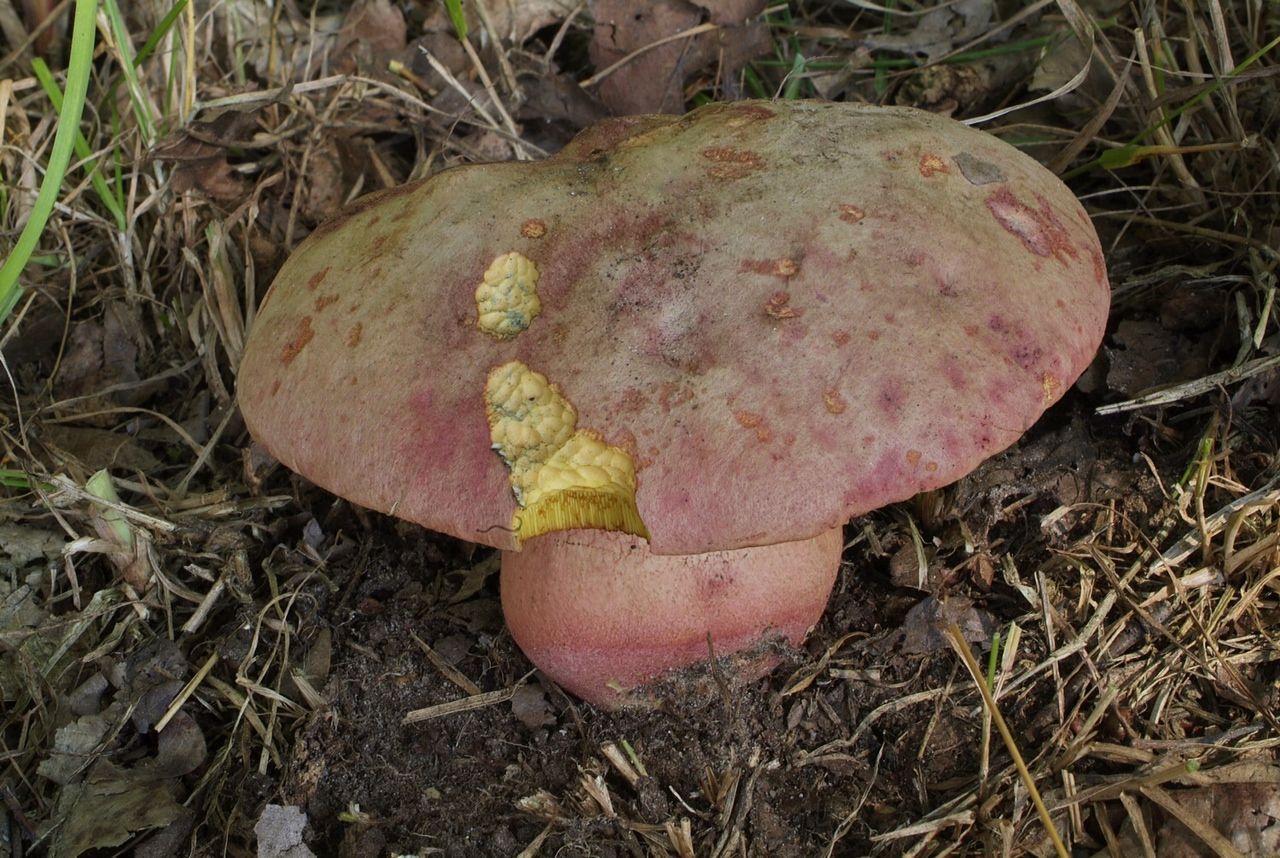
point(74, 745)
point(517, 20)
point(107, 809)
point(168, 841)
point(473, 579)
point(940, 30)
point(924, 628)
point(323, 186)
point(180, 749)
point(100, 368)
point(552, 99)
point(154, 674)
point(1246, 814)
point(21, 544)
point(37, 334)
point(199, 153)
point(28, 637)
point(908, 569)
point(529, 705)
point(1061, 61)
point(372, 31)
point(96, 449)
point(212, 176)
point(653, 82)
point(308, 676)
point(1262, 389)
point(1144, 354)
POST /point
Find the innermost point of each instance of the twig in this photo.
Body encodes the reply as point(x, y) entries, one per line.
point(1194, 387)
point(466, 704)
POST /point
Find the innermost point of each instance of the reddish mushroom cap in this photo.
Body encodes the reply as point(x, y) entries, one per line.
point(783, 313)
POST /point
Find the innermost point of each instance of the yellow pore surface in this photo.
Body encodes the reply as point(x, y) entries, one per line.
point(507, 299)
point(563, 477)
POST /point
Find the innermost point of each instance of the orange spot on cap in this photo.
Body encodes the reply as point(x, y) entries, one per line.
point(533, 228)
point(931, 165)
point(749, 114)
point(298, 341)
point(779, 306)
point(748, 419)
point(354, 334)
point(834, 402)
point(782, 267)
point(731, 163)
point(851, 214)
point(913, 456)
point(316, 279)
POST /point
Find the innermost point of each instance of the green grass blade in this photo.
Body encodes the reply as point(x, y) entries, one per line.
point(1128, 154)
point(113, 201)
point(795, 78)
point(118, 32)
point(457, 17)
point(82, 38)
point(162, 29)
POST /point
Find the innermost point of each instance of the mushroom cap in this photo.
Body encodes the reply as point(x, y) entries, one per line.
point(786, 313)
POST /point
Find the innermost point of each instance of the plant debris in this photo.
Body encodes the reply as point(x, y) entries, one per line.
point(227, 661)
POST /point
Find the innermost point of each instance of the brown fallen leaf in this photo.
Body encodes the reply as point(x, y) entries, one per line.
point(517, 20)
point(1144, 354)
point(372, 31)
point(557, 100)
point(529, 705)
point(108, 807)
point(653, 81)
point(199, 153)
point(1247, 815)
point(924, 628)
point(324, 185)
point(83, 450)
point(940, 30)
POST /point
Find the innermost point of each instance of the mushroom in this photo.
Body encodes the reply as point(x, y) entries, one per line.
point(662, 368)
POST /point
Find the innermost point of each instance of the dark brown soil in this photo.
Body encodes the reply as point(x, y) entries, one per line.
point(458, 782)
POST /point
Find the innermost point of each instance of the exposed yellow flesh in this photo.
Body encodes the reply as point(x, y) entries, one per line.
point(563, 477)
point(507, 298)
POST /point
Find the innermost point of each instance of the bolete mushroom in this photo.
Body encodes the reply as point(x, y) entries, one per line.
point(662, 368)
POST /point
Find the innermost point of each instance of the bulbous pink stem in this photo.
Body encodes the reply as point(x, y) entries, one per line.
point(603, 617)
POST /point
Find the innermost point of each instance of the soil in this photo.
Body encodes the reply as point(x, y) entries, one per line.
point(491, 780)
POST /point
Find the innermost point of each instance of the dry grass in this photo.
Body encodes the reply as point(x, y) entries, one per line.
point(1142, 654)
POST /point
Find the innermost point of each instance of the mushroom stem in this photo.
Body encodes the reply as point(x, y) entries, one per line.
point(603, 617)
